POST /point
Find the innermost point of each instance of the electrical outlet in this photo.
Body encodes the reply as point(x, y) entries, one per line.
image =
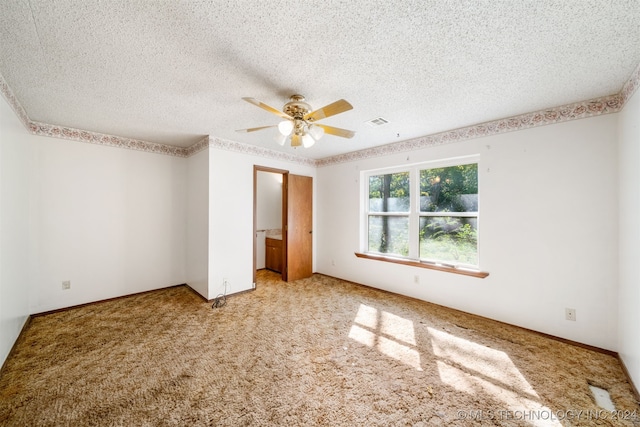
point(416, 279)
point(333, 262)
point(570, 314)
point(66, 284)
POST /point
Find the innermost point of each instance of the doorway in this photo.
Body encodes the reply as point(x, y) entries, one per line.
point(269, 216)
point(269, 219)
point(293, 249)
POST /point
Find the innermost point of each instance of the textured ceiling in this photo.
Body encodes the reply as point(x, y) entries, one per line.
point(172, 71)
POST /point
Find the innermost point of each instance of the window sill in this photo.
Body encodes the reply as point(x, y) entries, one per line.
point(455, 270)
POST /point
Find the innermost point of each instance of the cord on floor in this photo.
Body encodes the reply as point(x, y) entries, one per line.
point(219, 301)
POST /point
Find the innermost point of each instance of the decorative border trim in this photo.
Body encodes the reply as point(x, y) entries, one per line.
point(594, 107)
point(13, 102)
point(254, 150)
point(198, 146)
point(239, 147)
point(629, 88)
point(580, 110)
point(43, 129)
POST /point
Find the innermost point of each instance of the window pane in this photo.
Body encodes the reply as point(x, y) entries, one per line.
point(449, 239)
point(450, 189)
point(389, 193)
point(389, 234)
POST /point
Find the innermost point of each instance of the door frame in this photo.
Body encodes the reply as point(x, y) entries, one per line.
point(285, 180)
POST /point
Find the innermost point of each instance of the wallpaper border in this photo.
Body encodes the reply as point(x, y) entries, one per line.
point(579, 110)
point(564, 113)
point(64, 132)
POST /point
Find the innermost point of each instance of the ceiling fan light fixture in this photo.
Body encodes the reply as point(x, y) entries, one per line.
point(285, 127)
point(316, 132)
point(307, 140)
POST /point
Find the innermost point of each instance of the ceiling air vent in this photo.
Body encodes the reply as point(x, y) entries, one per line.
point(378, 121)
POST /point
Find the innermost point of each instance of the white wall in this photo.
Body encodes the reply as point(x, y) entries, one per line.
point(112, 221)
point(198, 223)
point(231, 216)
point(268, 200)
point(16, 151)
point(548, 233)
point(629, 298)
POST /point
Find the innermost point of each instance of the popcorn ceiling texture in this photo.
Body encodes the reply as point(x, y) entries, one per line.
point(162, 75)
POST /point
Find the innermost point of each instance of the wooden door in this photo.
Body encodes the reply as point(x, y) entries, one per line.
point(299, 235)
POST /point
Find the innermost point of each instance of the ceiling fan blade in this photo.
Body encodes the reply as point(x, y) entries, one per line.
point(268, 108)
point(255, 129)
point(337, 107)
point(296, 140)
point(344, 133)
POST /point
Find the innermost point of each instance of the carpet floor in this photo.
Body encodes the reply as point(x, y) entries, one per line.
point(318, 351)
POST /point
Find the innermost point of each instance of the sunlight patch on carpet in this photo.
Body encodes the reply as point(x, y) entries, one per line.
point(516, 406)
point(397, 327)
point(367, 316)
point(475, 369)
point(487, 362)
point(362, 335)
point(391, 335)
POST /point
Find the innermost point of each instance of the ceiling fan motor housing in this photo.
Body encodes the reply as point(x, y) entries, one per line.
point(296, 108)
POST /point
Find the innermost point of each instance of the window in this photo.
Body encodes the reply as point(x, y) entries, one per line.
point(427, 213)
point(449, 214)
point(389, 208)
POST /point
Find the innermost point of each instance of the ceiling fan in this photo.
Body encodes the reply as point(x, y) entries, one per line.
point(300, 125)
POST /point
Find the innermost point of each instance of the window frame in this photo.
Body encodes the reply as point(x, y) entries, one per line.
point(414, 214)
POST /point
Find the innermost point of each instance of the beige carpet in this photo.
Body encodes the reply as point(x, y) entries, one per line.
point(318, 351)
